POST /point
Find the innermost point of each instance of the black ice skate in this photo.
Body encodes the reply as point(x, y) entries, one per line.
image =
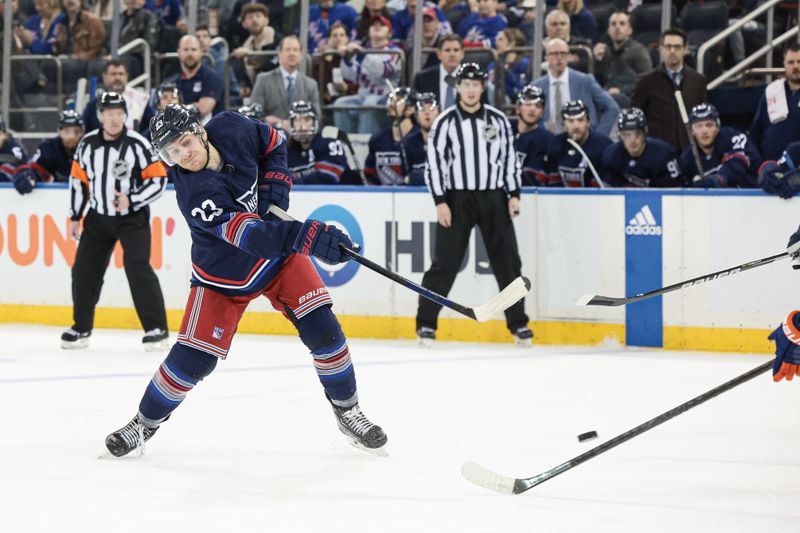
point(426, 336)
point(155, 340)
point(360, 432)
point(129, 438)
point(75, 340)
point(523, 337)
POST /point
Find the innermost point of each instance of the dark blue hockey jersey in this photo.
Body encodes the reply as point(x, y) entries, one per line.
point(733, 161)
point(531, 148)
point(12, 155)
point(570, 165)
point(51, 161)
point(656, 166)
point(324, 163)
point(235, 251)
point(386, 161)
point(417, 158)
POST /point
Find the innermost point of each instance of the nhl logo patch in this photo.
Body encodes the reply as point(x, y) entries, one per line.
point(120, 169)
point(489, 133)
point(217, 334)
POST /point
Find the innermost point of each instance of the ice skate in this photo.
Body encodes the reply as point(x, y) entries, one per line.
point(426, 336)
point(155, 340)
point(75, 340)
point(129, 438)
point(360, 432)
point(523, 337)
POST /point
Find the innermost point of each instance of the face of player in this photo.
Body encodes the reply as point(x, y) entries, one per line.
point(791, 66)
point(427, 115)
point(470, 91)
point(189, 52)
point(487, 8)
point(396, 107)
point(338, 38)
point(115, 78)
point(672, 50)
point(70, 136)
point(166, 98)
point(705, 132)
point(113, 120)
point(619, 28)
point(188, 152)
point(303, 125)
point(530, 112)
point(451, 55)
point(558, 27)
point(577, 128)
point(634, 142)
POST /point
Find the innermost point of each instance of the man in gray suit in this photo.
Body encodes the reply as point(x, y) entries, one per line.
point(562, 84)
point(277, 89)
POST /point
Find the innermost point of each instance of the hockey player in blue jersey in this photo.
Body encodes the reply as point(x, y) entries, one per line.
point(318, 158)
point(565, 159)
point(12, 156)
point(227, 174)
point(533, 139)
point(416, 142)
point(787, 335)
point(728, 157)
point(254, 111)
point(637, 160)
point(782, 177)
point(386, 162)
point(53, 158)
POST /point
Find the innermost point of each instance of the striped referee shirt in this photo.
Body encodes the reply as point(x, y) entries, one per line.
point(471, 151)
point(101, 168)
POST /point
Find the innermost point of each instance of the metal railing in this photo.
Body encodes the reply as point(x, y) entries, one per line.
point(766, 49)
point(143, 78)
point(59, 83)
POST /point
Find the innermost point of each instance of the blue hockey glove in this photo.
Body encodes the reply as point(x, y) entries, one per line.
point(24, 180)
point(277, 186)
point(787, 348)
point(713, 181)
point(321, 241)
point(790, 184)
point(793, 249)
point(770, 177)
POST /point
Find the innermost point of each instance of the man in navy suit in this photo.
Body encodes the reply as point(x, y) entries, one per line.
point(562, 84)
point(439, 79)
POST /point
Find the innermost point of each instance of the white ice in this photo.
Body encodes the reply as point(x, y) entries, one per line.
point(255, 447)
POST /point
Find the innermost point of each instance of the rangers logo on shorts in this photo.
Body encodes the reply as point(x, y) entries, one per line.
point(218, 332)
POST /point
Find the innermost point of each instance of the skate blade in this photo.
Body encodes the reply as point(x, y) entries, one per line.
point(425, 343)
point(156, 346)
point(378, 452)
point(523, 343)
point(77, 345)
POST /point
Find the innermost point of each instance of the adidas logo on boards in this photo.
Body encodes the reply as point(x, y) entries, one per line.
point(644, 223)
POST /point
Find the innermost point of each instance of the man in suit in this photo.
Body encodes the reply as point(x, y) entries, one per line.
point(562, 84)
point(439, 80)
point(655, 92)
point(278, 89)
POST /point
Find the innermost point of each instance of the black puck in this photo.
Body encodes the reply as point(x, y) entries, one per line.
point(586, 436)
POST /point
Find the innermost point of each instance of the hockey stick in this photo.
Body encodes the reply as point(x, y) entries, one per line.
point(509, 485)
point(594, 299)
point(514, 292)
point(692, 142)
point(588, 162)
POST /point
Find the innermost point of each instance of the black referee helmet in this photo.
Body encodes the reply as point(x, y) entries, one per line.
point(111, 100)
point(530, 94)
point(470, 71)
point(574, 109)
point(632, 119)
point(69, 117)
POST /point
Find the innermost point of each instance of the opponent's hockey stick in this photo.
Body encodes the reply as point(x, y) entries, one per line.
point(594, 299)
point(692, 142)
point(509, 485)
point(514, 292)
point(588, 162)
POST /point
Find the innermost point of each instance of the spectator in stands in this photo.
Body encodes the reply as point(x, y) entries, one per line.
point(777, 120)
point(199, 85)
point(372, 9)
point(12, 156)
point(39, 32)
point(655, 92)
point(432, 32)
point(480, 28)
point(321, 19)
point(80, 35)
point(26, 76)
point(533, 139)
point(327, 68)
point(216, 51)
point(255, 18)
point(103, 9)
point(236, 34)
point(515, 65)
point(620, 60)
point(527, 19)
point(387, 162)
point(169, 11)
point(371, 72)
point(415, 143)
point(558, 26)
point(569, 163)
point(279, 88)
point(440, 79)
point(403, 21)
point(562, 84)
point(138, 22)
point(115, 79)
point(53, 158)
point(582, 22)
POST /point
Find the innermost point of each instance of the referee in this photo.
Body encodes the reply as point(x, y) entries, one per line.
point(474, 177)
point(116, 173)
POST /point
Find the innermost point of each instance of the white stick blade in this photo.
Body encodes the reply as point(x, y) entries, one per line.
point(585, 299)
point(487, 479)
point(514, 292)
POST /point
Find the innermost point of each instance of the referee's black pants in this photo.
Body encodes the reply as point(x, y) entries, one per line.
point(100, 235)
point(489, 210)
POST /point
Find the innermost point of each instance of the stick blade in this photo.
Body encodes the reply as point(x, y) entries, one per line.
point(514, 292)
point(483, 477)
point(595, 299)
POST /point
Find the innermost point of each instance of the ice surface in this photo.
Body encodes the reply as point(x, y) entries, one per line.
point(256, 448)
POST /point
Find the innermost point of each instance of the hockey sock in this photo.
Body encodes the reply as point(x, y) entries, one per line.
point(177, 375)
point(321, 333)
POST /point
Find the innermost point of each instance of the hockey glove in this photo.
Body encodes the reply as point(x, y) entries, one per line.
point(712, 181)
point(770, 177)
point(793, 249)
point(787, 348)
point(275, 187)
point(790, 184)
point(24, 180)
point(323, 242)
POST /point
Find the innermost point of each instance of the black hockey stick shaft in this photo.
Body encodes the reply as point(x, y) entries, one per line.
point(612, 301)
point(525, 484)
